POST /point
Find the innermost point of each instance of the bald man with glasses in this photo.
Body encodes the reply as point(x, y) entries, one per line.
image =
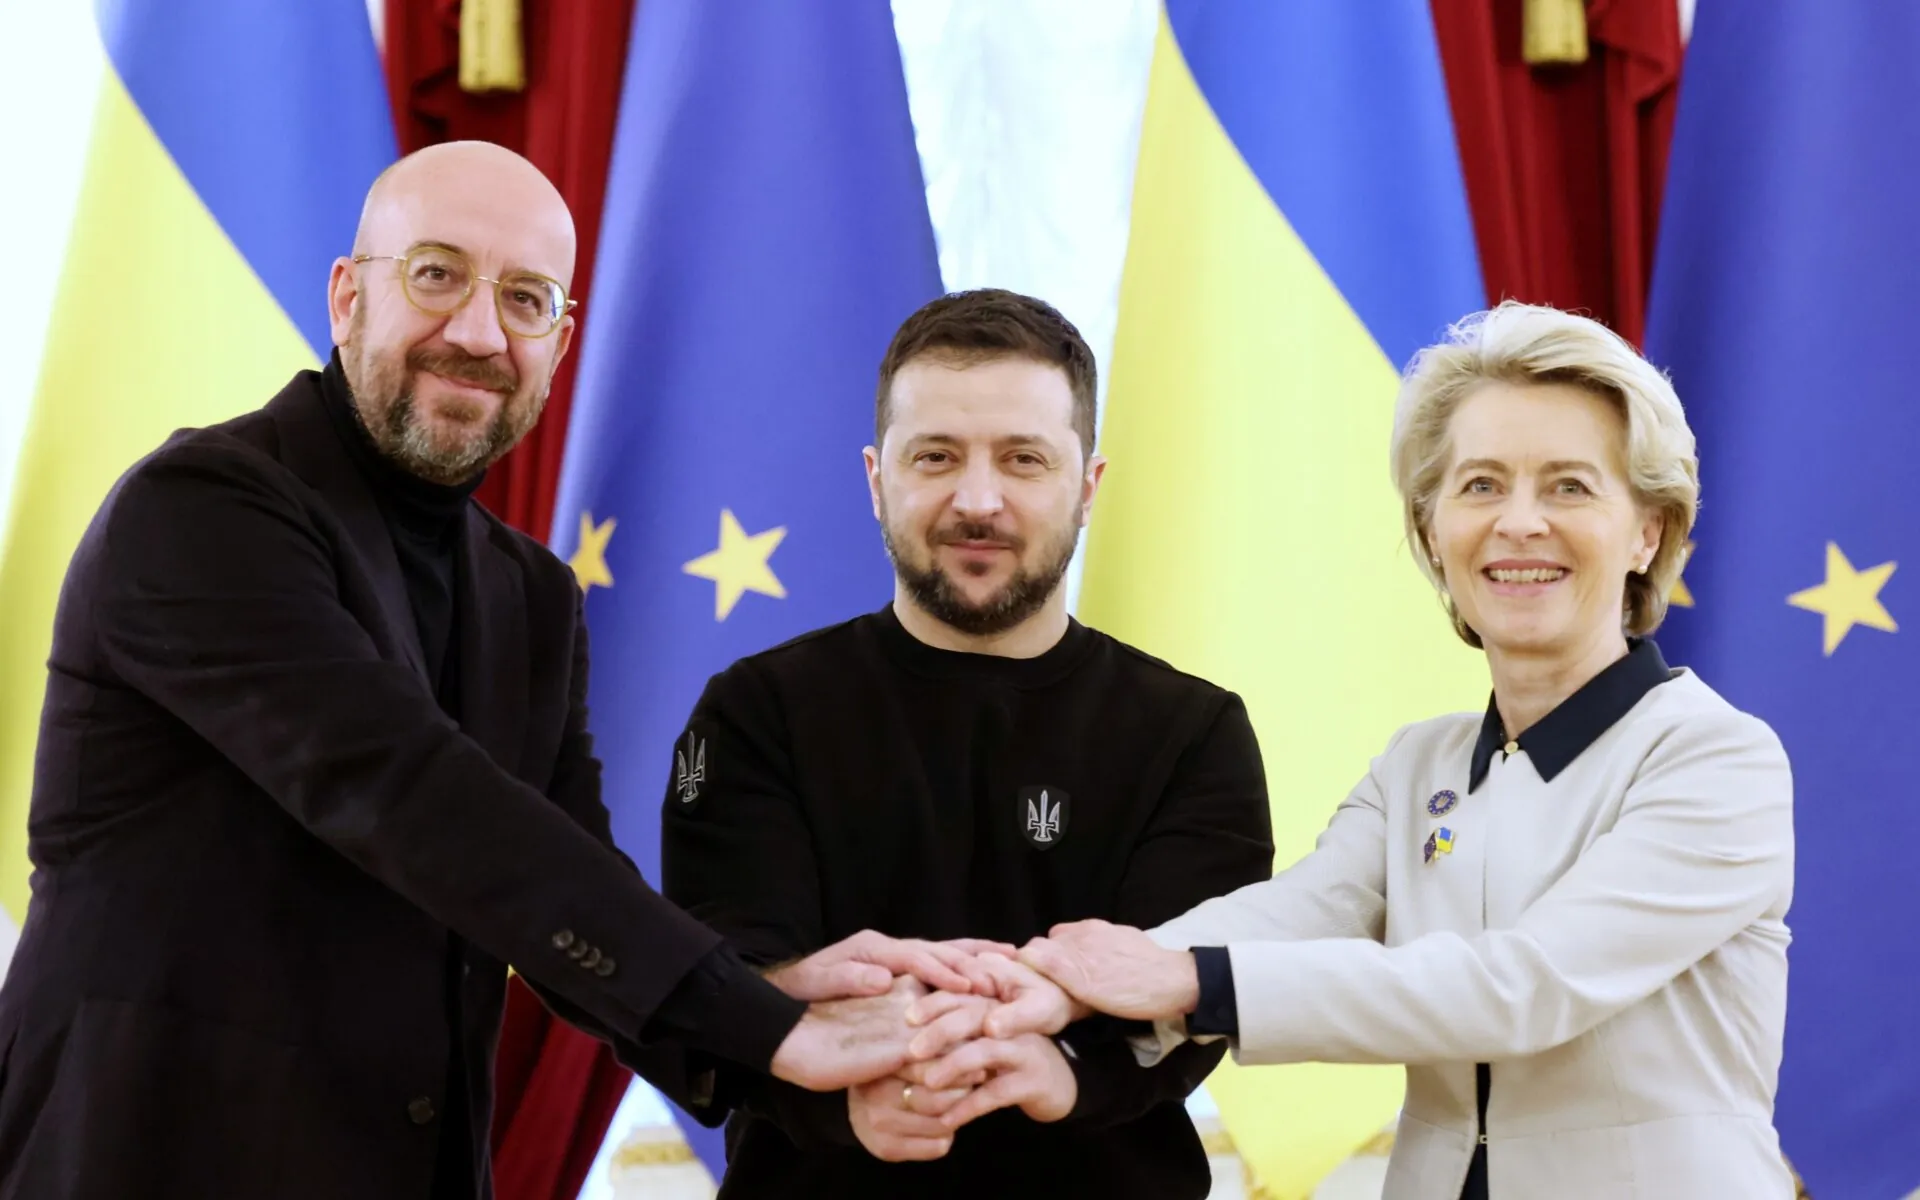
point(314, 769)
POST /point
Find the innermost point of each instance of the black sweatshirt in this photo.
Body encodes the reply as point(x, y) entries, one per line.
point(857, 778)
point(718, 1011)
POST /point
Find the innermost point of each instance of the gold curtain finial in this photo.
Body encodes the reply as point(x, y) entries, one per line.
point(491, 58)
point(1552, 31)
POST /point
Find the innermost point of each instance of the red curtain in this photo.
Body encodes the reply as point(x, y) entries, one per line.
point(576, 51)
point(556, 1088)
point(1565, 164)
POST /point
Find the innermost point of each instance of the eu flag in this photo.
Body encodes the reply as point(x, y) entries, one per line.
point(766, 230)
point(1785, 305)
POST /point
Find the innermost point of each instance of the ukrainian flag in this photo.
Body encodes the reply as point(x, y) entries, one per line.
point(1300, 229)
point(232, 145)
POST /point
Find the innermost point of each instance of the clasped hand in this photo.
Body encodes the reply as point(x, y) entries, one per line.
point(927, 1036)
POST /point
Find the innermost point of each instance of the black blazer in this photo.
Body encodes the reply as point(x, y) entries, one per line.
point(252, 829)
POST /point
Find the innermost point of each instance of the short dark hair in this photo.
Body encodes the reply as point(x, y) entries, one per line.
point(986, 324)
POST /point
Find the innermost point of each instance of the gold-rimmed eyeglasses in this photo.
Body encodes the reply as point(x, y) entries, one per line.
point(438, 279)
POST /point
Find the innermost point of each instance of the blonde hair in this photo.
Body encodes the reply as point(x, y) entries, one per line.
point(1531, 344)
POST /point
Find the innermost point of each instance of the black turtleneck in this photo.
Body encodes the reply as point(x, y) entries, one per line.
point(719, 1011)
point(425, 520)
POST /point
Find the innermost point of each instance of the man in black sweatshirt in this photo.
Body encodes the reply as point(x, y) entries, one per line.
point(968, 762)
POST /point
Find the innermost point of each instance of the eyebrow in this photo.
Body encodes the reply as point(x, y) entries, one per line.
point(1011, 441)
point(433, 245)
point(1547, 468)
point(510, 269)
point(1018, 440)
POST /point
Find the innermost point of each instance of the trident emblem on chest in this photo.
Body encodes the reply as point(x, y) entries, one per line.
point(690, 769)
point(1043, 822)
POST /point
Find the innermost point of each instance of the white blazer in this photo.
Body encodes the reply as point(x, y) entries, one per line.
point(1611, 939)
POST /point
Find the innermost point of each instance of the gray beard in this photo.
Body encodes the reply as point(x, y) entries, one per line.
point(403, 438)
point(395, 426)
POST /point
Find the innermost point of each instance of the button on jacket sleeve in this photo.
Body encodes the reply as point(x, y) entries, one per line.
point(1702, 848)
point(719, 1009)
point(220, 602)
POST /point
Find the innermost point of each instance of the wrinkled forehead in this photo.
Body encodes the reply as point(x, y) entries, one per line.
point(498, 231)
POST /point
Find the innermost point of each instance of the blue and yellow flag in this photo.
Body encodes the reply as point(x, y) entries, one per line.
point(766, 231)
point(232, 145)
point(1300, 229)
point(1785, 305)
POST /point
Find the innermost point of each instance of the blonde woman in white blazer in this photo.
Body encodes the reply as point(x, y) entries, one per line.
point(1566, 915)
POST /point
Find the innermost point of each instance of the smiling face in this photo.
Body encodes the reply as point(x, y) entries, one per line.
point(981, 488)
point(1535, 525)
point(446, 395)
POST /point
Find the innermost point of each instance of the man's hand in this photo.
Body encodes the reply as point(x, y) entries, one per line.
point(1028, 1003)
point(952, 1020)
point(1116, 969)
point(840, 1043)
point(866, 964)
point(978, 946)
point(897, 1118)
point(1028, 1071)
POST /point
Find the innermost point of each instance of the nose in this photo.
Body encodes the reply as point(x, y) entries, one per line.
point(475, 326)
point(1521, 517)
point(978, 495)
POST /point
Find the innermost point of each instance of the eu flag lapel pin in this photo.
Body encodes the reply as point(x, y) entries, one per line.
point(1439, 842)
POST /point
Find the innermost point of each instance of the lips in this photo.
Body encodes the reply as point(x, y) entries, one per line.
point(466, 385)
point(463, 371)
point(1525, 574)
point(976, 538)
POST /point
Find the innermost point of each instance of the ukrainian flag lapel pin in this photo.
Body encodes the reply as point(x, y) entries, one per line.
point(1439, 842)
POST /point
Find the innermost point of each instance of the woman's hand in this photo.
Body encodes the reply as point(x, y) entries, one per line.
point(1116, 969)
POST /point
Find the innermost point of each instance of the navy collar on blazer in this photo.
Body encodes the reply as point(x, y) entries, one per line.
point(1565, 733)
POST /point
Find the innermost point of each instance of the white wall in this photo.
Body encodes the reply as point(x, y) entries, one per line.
point(48, 87)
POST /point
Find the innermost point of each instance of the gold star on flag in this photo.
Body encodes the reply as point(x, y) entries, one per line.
point(589, 561)
point(1680, 596)
point(739, 565)
point(1847, 598)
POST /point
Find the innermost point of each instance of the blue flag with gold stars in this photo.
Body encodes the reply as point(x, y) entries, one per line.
point(1786, 304)
point(766, 231)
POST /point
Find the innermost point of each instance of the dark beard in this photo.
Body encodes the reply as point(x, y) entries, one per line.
point(1021, 597)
